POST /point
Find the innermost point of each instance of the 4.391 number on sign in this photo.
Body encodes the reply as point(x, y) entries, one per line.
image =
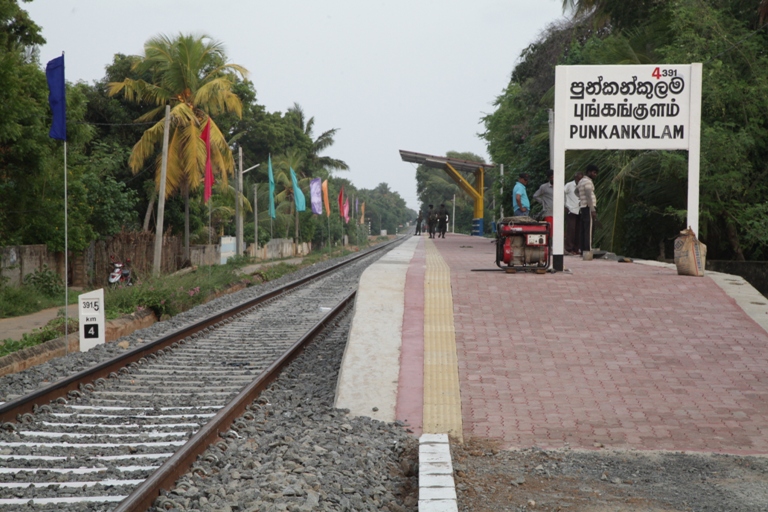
point(658, 73)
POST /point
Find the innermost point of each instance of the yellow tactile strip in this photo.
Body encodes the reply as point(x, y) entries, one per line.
point(442, 396)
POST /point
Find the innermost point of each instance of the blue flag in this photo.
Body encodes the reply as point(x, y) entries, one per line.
point(271, 190)
point(298, 195)
point(57, 98)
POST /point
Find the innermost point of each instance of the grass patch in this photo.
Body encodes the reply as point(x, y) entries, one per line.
point(25, 300)
point(170, 295)
point(326, 254)
point(54, 329)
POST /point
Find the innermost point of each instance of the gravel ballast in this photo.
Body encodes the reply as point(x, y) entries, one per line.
point(294, 451)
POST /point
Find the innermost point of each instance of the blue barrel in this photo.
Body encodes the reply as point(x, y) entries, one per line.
point(477, 227)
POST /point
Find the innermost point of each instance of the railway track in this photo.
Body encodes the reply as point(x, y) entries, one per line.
point(120, 431)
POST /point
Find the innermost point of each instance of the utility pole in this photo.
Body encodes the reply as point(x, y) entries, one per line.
point(158, 256)
point(453, 216)
point(239, 227)
point(238, 205)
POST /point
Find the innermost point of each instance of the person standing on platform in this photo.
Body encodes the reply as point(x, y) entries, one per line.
point(442, 221)
point(572, 222)
point(419, 220)
point(431, 221)
point(544, 196)
point(587, 209)
point(520, 201)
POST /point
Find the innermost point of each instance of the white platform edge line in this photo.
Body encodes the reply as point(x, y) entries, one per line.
point(444, 497)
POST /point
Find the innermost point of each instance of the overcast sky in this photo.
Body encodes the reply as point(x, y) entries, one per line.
point(396, 74)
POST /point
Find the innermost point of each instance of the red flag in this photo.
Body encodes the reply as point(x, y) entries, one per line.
point(341, 202)
point(209, 181)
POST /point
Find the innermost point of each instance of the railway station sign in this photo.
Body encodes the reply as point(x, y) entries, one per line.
point(640, 107)
point(628, 107)
point(92, 319)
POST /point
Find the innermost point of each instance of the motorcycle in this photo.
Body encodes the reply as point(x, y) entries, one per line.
point(121, 274)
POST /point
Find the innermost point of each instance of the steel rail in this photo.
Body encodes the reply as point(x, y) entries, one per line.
point(144, 495)
point(10, 410)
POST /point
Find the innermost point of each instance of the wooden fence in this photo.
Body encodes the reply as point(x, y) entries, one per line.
point(139, 247)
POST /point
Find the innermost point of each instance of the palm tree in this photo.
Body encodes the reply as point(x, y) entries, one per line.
point(314, 161)
point(191, 74)
point(284, 200)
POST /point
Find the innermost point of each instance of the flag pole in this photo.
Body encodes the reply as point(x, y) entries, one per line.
point(57, 99)
point(66, 250)
point(66, 256)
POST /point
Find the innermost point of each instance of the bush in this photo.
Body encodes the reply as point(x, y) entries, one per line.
point(170, 295)
point(45, 281)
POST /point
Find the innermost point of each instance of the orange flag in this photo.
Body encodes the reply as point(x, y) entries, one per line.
point(325, 199)
point(362, 213)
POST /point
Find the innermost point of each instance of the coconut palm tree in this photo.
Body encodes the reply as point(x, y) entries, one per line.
point(284, 197)
point(315, 162)
point(191, 74)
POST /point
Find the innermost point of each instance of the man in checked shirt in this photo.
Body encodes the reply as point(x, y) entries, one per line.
point(587, 210)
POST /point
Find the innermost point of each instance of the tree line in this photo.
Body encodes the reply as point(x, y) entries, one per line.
point(114, 143)
point(642, 194)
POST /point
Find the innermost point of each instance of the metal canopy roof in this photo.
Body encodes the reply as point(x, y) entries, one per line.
point(439, 162)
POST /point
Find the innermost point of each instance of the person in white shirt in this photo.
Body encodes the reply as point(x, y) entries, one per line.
point(587, 209)
point(572, 222)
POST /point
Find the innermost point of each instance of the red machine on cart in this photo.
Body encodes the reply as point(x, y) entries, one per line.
point(523, 243)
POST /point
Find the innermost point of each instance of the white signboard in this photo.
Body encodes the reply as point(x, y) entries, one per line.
point(628, 107)
point(92, 324)
point(646, 107)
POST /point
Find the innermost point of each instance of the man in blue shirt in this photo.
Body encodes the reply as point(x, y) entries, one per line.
point(520, 201)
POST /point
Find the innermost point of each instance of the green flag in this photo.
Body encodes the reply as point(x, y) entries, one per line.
point(298, 195)
point(271, 190)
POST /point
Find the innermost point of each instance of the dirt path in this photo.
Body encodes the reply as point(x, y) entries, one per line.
point(16, 327)
point(489, 479)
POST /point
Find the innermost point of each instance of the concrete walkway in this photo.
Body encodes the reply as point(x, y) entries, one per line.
point(367, 383)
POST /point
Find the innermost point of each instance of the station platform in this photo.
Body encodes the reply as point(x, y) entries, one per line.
point(604, 355)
